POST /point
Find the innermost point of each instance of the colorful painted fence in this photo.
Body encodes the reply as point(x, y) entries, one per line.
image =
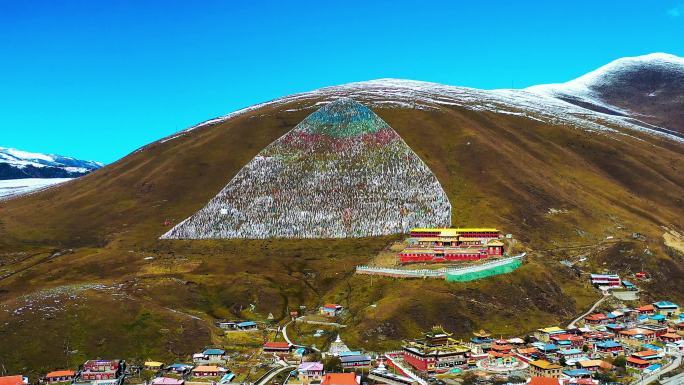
point(462, 274)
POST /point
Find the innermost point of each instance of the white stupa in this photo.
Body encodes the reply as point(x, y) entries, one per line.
point(337, 347)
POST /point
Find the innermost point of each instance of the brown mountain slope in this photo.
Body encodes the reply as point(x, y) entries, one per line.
point(553, 183)
point(649, 88)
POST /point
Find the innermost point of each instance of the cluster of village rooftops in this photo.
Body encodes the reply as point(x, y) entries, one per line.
point(636, 340)
point(452, 244)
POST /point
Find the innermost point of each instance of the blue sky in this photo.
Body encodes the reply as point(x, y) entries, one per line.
point(98, 79)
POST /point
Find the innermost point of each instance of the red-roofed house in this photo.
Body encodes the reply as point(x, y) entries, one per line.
point(543, 381)
point(646, 309)
point(341, 379)
point(670, 337)
point(277, 347)
point(331, 309)
point(60, 376)
point(648, 355)
point(637, 363)
point(13, 380)
point(595, 319)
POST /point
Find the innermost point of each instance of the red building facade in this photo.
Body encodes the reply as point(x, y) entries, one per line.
point(451, 244)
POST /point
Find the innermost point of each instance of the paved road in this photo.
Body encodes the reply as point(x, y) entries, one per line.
point(591, 310)
point(302, 319)
point(287, 339)
point(269, 376)
point(676, 380)
point(670, 367)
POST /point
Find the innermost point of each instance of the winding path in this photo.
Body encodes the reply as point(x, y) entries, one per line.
point(591, 310)
point(269, 376)
point(287, 339)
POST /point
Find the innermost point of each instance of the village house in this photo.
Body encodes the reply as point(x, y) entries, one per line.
point(310, 371)
point(331, 309)
point(569, 354)
point(658, 329)
point(637, 335)
point(277, 347)
point(614, 328)
point(646, 309)
point(14, 380)
point(609, 347)
point(543, 381)
point(679, 327)
point(543, 368)
point(96, 370)
point(595, 319)
point(528, 354)
point(648, 355)
point(437, 352)
point(670, 337)
point(246, 325)
point(153, 365)
point(636, 363)
point(629, 285)
point(579, 381)
point(167, 381)
point(606, 280)
point(666, 308)
point(341, 379)
point(214, 355)
point(179, 368)
point(207, 371)
point(594, 365)
point(60, 376)
point(544, 334)
point(352, 360)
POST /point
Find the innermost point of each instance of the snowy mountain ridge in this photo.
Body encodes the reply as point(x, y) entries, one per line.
point(18, 164)
point(545, 103)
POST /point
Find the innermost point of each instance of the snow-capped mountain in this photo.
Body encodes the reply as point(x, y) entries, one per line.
point(643, 94)
point(17, 164)
point(649, 88)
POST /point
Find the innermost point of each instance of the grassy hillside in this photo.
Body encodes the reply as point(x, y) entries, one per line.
point(554, 187)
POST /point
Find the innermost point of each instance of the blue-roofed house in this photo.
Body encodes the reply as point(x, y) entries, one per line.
point(180, 368)
point(609, 347)
point(350, 361)
point(659, 318)
point(246, 325)
point(651, 347)
point(549, 349)
point(570, 353)
point(666, 308)
point(628, 285)
point(214, 354)
point(615, 327)
point(577, 373)
point(227, 378)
